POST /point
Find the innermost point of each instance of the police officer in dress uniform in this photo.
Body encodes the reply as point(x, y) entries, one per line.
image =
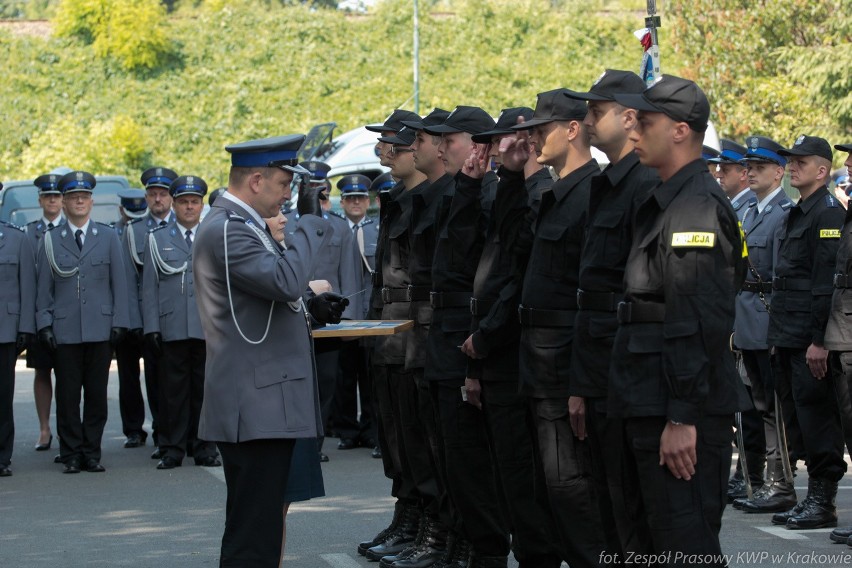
point(156, 182)
point(614, 197)
point(38, 357)
point(339, 264)
point(17, 326)
point(354, 374)
point(260, 392)
point(801, 303)
point(494, 341)
point(172, 325)
point(132, 206)
point(673, 378)
point(838, 334)
point(547, 314)
point(763, 226)
point(81, 313)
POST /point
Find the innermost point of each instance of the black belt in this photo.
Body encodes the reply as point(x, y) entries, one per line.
point(842, 281)
point(764, 287)
point(638, 312)
point(391, 295)
point(533, 317)
point(418, 293)
point(800, 284)
point(598, 301)
point(480, 308)
point(440, 300)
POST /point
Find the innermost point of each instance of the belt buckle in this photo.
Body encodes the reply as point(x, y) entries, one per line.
point(473, 306)
point(386, 295)
point(410, 292)
point(434, 299)
point(624, 312)
point(579, 299)
point(836, 281)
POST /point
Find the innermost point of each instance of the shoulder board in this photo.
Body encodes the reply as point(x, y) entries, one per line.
point(367, 221)
point(157, 228)
point(36, 222)
point(107, 225)
point(12, 226)
point(336, 214)
point(233, 216)
point(830, 201)
point(786, 204)
point(752, 201)
point(134, 221)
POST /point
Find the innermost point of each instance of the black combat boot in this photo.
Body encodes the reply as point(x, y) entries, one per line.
point(399, 538)
point(737, 484)
point(821, 512)
point(410, 549)
point(457, 553)
point(775, 496)
point(398, 508)
point(840, 535)
point(431, 548)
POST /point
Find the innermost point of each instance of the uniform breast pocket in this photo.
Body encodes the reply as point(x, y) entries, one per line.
point(65, 262)
point(100, 267)
point(9, 267)
point(552, 248)
point(608, 236)
point(796, 244)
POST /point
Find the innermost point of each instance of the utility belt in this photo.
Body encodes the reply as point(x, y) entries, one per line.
point(641, 312)
point(440, 300)
point(842, 281)
point(757, 287)
point(534, 317)
point(797, 284)
point(392, 295)
point(418, 293)
point(480, 308)
point(598, 301)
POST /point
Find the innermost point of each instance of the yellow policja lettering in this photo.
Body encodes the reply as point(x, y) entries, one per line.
point(696, 239)
point(829, 233)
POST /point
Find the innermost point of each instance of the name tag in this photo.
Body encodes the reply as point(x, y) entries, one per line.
point(704, 240)
point(829, 233)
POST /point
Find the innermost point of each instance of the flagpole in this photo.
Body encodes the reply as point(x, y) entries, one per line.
point(651, 59)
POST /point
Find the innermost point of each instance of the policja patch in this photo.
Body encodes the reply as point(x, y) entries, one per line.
point(694, 239)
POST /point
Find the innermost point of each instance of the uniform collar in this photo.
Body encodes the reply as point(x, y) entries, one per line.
point(741, 196)
point(667, 190)
point(619, 170)
point(245, 207)
point(183, 229)
point(814, 198)
point(73, 228)
point(564, 186)
point(56, 222)
point(430, 192)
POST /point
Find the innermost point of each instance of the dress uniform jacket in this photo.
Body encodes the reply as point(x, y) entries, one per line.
point(671, 358)
point(35, 232)
point(495, 328)
point(168, 300)
point(340, 262)
point(425, 207)
point(615, 195)
point(838, 333)
point(804, 274)
point(369, 228)
point(18, 274)
point(460, 238)
point(266, 389)
point(742, 202)
point(84, 307)
point(134, 236)
point(393, 270)
point(763, 238)
point(550, 283)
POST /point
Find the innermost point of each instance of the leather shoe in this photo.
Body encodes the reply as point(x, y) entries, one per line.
point(376, 453)
point(209, 461)
point(168, 462)
point(44, 447)
point(840, 535)
point(346, 444)
point(5, 471)
point(322, 457)
point(94, 466)
point(72, 466)
point(57, 458)
point(134, 441)
point(158, 454)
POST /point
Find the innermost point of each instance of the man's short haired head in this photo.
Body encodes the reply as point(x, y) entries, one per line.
point(552, 106)
point(679, 99)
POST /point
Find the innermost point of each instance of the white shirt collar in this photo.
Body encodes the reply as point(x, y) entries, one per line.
point(255, 215)
point(183, 229)
point(73, 228)
point(740, 194)
point(56, 222)
point(765, 201)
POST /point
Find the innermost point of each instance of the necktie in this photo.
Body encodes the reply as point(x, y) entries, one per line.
point(50, 225)
point(78, 236)
point(162, 223)
point(188, 235)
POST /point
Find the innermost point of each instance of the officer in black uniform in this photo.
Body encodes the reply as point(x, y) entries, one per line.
point(547, 314)
point(494, 341)
point(801, 303)
point(838, 334)
point(673, 378)
point(615, 196)
point(39, 358)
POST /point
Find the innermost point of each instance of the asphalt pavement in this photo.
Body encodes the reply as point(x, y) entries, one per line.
point(135, 515)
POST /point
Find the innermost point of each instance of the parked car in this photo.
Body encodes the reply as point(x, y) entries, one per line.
point(19, 200)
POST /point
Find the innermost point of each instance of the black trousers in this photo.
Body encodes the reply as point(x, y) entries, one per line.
point(181, 394)
point(8, 355)
point(470, 479)
point(354, 378)
point(256, 477)
point(759, 368)
point(130, 401)
point(680, 517)
point(396, 395)
point(569, 475)
point(152, 387)
point(511, 434)
point(82, 369)
point(326, 355)
point(841, 369)
point(817, 411)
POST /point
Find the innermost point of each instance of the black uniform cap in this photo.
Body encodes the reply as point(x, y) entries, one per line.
point(610, 83)
point(552, 106)
point(404, 137)
point(679, 99)
point(507, 119)
point(393, 123)
point(843, 147)
point(470, 119)
point(809, 146)
point(434, 118)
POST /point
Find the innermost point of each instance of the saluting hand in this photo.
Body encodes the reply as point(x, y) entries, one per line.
point(515, 150)
point(477, 164)
point(677, 450)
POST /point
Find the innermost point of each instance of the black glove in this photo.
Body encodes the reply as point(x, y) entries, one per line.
point(154, 341)
point(135, 335)
point(309, 201)
point(45, 335)
point(327, 307)
point(22, 341)
point(116, 334)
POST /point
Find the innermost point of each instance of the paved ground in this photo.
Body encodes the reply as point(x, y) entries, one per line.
point(135, 515)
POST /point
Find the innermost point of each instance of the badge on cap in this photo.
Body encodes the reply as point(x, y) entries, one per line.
point(79, 176)
point(190, 180)
point(754, 142)
point(799, 140)
point(599, 79)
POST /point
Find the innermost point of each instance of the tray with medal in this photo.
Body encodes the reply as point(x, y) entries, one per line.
point(362, 328)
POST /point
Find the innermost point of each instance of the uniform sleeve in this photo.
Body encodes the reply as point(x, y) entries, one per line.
point(701, 282)
point(27, 286)
point(150, 305)
point(44, 293)
point(118, 281)
point(826, 237)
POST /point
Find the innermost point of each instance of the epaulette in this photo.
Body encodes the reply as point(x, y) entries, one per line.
point(367, 221)
point(751, 201)
point(134, 221)
point(830, 201)
point(107, 225)
point(12, 226)
point(336, 214)
point(157, 228)
point(786, 204)
point(233, 216)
